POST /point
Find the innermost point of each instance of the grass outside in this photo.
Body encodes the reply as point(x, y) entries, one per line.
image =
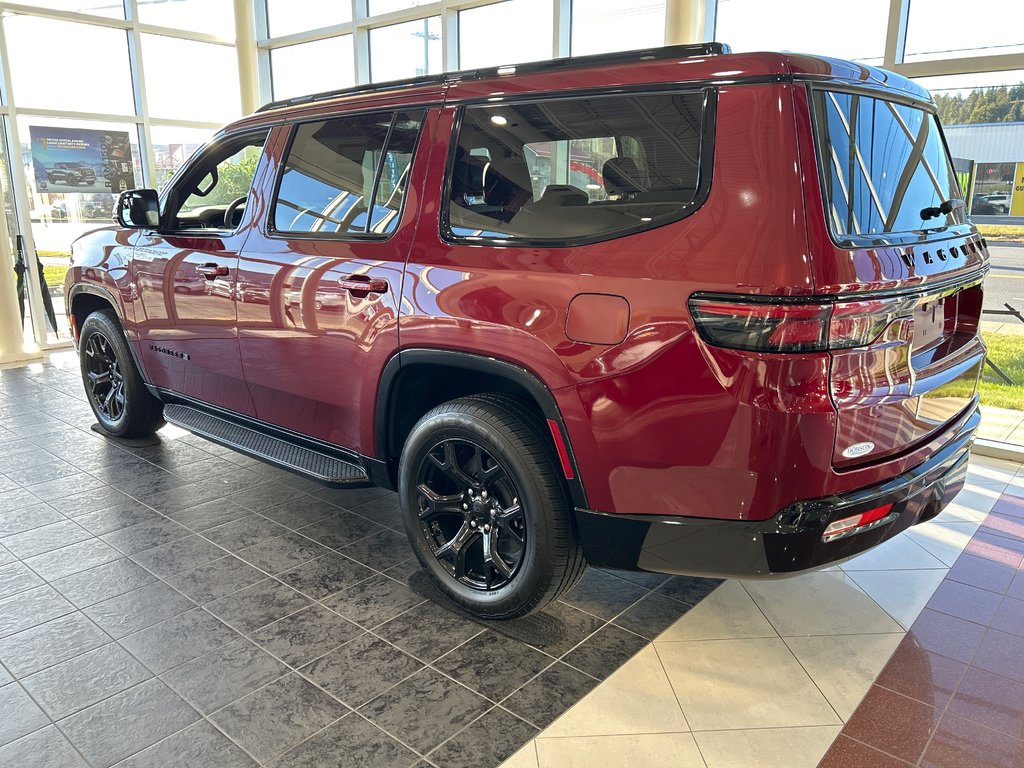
point(1004, 233)
point(54, 274)
point(1006, 351)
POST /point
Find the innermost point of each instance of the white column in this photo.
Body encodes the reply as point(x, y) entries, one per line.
point(686, 21)
point(245, 47)
point(12, 338)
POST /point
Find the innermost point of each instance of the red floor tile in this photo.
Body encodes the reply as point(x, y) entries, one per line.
point(996, 547)
point(847, 753)
point(1010, 615)
point(959, 743)
point(1017, 586)
point(990, 700)
point(893, 723)
point(946, 635)
point(1005, 526)
point(965, 602)
point(993, 575)
point(921, 675)
point(1001, 654)
point(1009, 505)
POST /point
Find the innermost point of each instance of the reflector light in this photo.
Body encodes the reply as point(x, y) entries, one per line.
point(850, 525)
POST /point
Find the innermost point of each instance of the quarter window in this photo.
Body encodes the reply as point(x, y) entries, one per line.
point(576, 169)
point(347, 176)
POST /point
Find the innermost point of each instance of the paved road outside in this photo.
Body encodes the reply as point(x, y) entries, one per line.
point(1005, 283)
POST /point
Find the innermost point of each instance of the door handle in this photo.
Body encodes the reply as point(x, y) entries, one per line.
point(210, 271)
point(363, 284)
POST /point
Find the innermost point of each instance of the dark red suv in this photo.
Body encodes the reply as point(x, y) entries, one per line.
point(678, 310)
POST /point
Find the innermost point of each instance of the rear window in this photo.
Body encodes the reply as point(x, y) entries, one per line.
point(577, 170)
point(883, 163)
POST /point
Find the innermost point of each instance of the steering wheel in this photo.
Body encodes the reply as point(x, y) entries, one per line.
point(232, 208)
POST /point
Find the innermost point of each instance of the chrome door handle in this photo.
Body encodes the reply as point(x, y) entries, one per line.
point(363, 284)
point(210, 271)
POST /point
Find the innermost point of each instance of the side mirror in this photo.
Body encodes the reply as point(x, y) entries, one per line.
point(139, 209)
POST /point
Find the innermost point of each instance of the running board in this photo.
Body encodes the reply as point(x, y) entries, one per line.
point(310, 462)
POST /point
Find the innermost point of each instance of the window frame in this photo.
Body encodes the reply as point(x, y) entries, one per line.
point(705, 166)
point(882, 239)
point(169, 196)
point(293, 130)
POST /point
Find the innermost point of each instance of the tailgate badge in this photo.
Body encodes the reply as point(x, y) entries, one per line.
point(858, 449)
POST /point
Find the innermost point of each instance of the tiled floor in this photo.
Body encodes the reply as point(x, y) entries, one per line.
point(180, 604)
point(766, 674)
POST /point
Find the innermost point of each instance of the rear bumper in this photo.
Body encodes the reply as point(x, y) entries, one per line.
point(788, 543)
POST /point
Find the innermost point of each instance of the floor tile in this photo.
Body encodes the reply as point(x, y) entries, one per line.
point(766, 687)
point(44, 539)
point(603, 595)
point(505, 734)
point(352, 742)
point(729, 612)
point(179, 639)
point(138, 609)
point(50, 643)
point(663, 750)
point(374, 601)
point(243, 532)
point(116, 518)
point(216, 679)
point(943, 540)
point(919, 674)
point(380, 551)
point(847, 753)
point(305, 635)
point(549, 694)
point(383, 510)
point(688, 589)
point(120, 726)
point(492, 664)
point(54, 489)
point(182, 555)
point(45, 748)
point(990, 700)
point(321, 521)
point(15, 578)
point(605, 651)
point(1009, 616)
point(257, 605)
point(275, 718)
point(958, 742)
point(844, 666)
point(216, 579)
point(280, 553)
point(20, 714)
point(901, 594)
point(426, 709)
point(31, 607)
point(652, 615)
point(103, 582)
point(200, 744)
point(638, 698)
point(894, 724)
point(428, 631)
point(26, 518)
point(980, 572)
point(175, 500)
point(269, 495)
point(965, 602)
point(79, 682)
point(766, 747)
point(154, 533)
point(947, 635)
point(325, 575)
point(77, 557)
point(807, 605)
point(203, 517)
point(575, 627)
point(972, 503)
point(898, 553)
point(361, 670)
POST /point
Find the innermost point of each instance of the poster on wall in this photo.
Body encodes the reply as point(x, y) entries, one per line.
point(81, 160)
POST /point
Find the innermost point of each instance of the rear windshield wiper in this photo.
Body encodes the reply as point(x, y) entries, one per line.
point(947, 206)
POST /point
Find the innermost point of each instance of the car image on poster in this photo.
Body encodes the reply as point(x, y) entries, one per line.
point(81, 160)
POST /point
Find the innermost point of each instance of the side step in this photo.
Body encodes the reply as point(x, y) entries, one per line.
point(303, 460)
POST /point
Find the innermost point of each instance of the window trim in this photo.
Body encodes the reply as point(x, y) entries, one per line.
point(883, 239)
point(705, 168)
point(272, 232)
point(194, 160)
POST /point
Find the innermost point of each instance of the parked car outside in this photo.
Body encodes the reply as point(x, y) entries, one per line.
point(737, 357)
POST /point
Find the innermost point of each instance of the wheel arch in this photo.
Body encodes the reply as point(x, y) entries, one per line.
point(416, 380)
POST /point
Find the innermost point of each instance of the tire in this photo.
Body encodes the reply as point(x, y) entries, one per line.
point(478, 475)
point(119, 399)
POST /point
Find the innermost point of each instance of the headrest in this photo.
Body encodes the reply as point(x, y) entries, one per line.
point(562, 195)
point(507, 183)
point(468, 179)
point(621, 176)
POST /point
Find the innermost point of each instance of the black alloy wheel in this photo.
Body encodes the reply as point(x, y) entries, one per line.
point(470, 513)
point(104, 380)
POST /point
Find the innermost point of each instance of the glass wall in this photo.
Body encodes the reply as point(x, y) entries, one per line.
point(321, 65)
point(600, 26)
point(403, 51)
point(507, 33)
point(949, 29)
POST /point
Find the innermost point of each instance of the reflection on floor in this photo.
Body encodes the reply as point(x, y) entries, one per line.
point(770, 673)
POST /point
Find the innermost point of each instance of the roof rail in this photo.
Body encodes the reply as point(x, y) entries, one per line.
point(551, 65)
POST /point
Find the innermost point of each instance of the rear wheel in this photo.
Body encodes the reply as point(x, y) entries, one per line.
point(486, 509)
point(119, 398)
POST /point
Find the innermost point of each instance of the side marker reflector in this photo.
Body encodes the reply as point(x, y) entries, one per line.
point(563, 452)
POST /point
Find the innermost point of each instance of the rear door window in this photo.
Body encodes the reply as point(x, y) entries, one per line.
point(883, 165)
point(565, 171)
point(347, 176)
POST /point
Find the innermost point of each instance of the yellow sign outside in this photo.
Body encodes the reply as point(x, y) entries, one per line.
point(1017, 202)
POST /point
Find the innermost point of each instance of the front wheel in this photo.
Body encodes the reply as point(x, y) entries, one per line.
point(486, 509)
point(119, 398)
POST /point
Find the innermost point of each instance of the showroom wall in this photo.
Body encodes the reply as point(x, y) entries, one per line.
point(156, 77)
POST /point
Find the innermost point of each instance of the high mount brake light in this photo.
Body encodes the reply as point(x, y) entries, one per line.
point(741, 323)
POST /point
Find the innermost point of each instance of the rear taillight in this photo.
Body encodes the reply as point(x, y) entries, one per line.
point(789, 326)
point(857, 523)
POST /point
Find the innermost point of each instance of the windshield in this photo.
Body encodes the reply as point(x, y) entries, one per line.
point(883, 165)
